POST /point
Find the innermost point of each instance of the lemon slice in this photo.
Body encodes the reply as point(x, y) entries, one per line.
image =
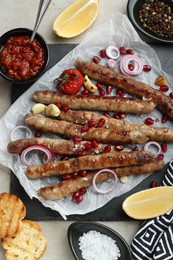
point(149, 203)
point(76, 18)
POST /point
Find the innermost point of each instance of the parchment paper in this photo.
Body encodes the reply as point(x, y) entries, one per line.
point(117, 30)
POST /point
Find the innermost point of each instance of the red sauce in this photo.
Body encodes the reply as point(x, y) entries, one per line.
point(21, 59)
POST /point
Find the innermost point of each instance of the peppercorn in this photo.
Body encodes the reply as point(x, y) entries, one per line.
point(157, 17)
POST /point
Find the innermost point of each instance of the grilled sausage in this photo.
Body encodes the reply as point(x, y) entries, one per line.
point(131, 85)
point(67, 187)
point(90, 162)
point(159, 134)
point(71, 130)
point(59, 146)
point(93, 102)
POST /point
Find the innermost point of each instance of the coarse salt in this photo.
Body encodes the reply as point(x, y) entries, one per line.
point(97, 246)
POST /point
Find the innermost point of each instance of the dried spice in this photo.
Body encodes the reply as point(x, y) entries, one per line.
point(157, 17)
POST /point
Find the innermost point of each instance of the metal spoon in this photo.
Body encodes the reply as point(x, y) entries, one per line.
point(41, 11)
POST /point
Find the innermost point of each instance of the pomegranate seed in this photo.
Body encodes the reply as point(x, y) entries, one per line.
point(81, 153)
point(135, 148)
point(122, 115)
point(38, 134)
point(99, 85)
point(65, 107)
point(116, 116)
point(131, 66)
point(164, 119)
point(64, 158)
point(94, 144)
point(74, 175)
point(101, 122)
point(101, 92)
point(146, 68)
point(160, 156)
point(82, 191)
point(118, 147)
point(153, 184)
point(87, 146)
point(103, 53)
point(77, 139)
point(164, 88)
point(122, 50)
point(149, 121)
point(130, 51)
point(82, 173)
point(107, 149)
point(67, 176)
point(77, 197)
point(84, 128)
point(164, 147)
point(58, 104)
point(85, 92)
point(120, 92)
point(107, 115)
point(108, 90)
point(171, 95)
point(96, 59)
point(92, 123)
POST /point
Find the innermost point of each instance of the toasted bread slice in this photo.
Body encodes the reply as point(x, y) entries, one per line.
point(29, 244)
point(12, 211)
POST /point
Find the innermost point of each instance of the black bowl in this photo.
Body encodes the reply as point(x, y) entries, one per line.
point(133, 8)
point(77, 229)
point(39, 38)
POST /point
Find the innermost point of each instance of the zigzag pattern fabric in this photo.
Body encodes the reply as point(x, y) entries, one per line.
point(154, 240)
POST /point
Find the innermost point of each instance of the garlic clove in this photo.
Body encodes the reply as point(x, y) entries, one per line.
point(52, 110)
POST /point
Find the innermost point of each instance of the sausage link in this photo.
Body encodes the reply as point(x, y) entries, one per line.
point(59, 146)
point(90, 162)
point(67, 187)
point(131, 85)
point(93, 102)
point(71, 130)
point(159, 134)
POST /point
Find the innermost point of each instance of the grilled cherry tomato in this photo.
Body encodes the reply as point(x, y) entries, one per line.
point(70, 81)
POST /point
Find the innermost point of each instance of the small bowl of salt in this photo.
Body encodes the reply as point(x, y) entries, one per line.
point(90, 241)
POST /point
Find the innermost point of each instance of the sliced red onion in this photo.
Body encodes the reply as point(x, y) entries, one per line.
point(20, 127)
point(111, 64)
point(46, 150)
point(112, 52)
point(104, 191)
point(147, 145)
point(135, 60)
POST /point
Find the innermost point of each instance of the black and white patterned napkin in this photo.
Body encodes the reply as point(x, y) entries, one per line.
point(154, 240)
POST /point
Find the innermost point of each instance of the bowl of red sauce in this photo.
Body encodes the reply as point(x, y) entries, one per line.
point(22, 61)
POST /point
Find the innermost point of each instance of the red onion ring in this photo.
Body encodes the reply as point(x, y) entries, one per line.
point(104, 191)
point(46, 150)
point(147, 145)
point(137, 62)
point(111, 64)
point(20, 127)
point(110, 52)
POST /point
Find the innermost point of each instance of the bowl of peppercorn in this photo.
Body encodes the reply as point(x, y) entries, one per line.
point(153, 19)
point(21, 60)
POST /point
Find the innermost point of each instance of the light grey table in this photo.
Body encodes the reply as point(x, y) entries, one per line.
point(21, 13)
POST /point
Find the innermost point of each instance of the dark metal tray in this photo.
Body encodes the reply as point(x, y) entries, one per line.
point(112, 210)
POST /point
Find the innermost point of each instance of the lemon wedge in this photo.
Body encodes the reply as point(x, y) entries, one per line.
point(76, 18)
point(149, 203)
